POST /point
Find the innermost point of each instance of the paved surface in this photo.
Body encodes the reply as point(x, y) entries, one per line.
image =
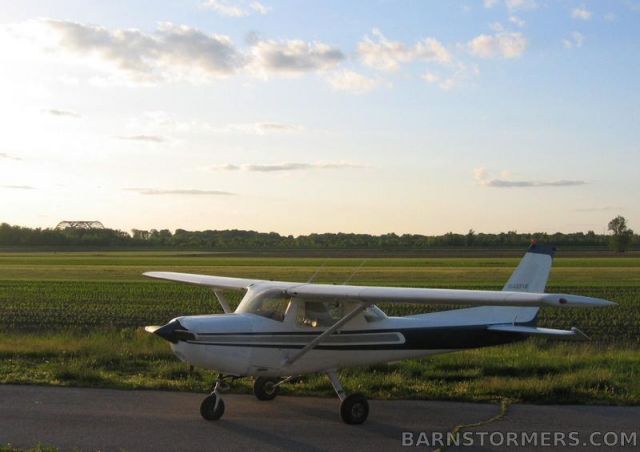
point(104, 419)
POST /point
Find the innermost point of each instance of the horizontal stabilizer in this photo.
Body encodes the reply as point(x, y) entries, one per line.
point(573, 333)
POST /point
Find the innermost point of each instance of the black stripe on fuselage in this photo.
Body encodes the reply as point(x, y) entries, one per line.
point(435, 338)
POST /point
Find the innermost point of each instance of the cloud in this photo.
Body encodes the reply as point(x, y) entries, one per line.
point(237, 8)
point(581, 13)
point(512, 5)
point(145, 138)
point(182, 192)
point(57, 112)
point(259, 128)
point(496, 26)
point(597, 209)
point(4, 155)
point(352, 81)
point(529, 183)
point(576, 39)
point(157, 122)
point(461, 74)
point(632, 6)
point(483, 178)
point(383, 54)
point(293, 57)
point(285, 166)
point(18, 187)
point(504, 45)
point(517, 21)
point(444, 83)
point(171, 51)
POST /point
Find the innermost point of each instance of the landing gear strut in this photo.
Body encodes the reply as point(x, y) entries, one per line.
point(212, 407)
point(266, 388)
point(354, 408)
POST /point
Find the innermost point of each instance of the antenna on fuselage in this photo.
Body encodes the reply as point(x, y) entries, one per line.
point(310, 280)
point(355, 270)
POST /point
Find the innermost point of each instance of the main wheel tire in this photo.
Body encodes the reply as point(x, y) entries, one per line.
point(209, 410)
point(264, 388)
point(354, 409)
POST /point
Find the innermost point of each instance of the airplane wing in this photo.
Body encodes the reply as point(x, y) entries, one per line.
point(373, 294)
point(441, 296)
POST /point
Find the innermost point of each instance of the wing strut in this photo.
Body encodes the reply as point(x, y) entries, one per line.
point(311, 345)
point(222, 300)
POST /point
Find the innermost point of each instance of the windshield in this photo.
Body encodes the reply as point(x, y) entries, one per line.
point(272, 305)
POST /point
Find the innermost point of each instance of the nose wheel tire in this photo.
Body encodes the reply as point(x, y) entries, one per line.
point(265, 388)
point(210, 410)
point(354, 409)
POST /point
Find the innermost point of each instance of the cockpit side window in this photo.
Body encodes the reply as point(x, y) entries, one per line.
point(323, 314)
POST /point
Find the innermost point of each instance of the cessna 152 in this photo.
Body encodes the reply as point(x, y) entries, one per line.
point(281, 330)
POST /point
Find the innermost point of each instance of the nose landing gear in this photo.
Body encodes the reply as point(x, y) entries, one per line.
point(212, 407)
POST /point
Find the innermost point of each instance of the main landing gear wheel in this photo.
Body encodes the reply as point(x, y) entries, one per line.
point(266, 388)
point(354, 409)
point(212, 408)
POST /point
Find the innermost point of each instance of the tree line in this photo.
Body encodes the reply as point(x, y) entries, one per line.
point(621, 239)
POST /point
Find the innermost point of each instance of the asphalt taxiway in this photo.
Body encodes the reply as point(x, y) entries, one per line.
point(106, 419)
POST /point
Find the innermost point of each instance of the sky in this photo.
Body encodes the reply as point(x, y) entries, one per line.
point(321, 116)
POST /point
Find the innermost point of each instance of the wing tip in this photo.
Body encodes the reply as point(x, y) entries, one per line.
point(155, 274)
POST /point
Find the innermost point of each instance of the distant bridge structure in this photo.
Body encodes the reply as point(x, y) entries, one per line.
point(66, 224)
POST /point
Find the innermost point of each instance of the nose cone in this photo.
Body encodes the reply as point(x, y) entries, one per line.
point(172, 331)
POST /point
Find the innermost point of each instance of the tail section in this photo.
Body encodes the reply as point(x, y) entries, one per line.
point(530, 275)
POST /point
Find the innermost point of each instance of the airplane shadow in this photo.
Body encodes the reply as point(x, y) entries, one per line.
point(371, 426)
point(261, 436)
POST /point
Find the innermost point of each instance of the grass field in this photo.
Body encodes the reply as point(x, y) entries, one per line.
point(75, 318)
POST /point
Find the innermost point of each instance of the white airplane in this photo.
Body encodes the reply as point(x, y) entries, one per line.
point(281, 330)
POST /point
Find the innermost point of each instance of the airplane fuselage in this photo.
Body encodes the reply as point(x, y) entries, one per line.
point(248, 344)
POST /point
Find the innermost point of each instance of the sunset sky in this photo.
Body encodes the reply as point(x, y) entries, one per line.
point(321, 116)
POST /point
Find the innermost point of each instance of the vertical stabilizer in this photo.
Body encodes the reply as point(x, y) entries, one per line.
point(530, 275)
